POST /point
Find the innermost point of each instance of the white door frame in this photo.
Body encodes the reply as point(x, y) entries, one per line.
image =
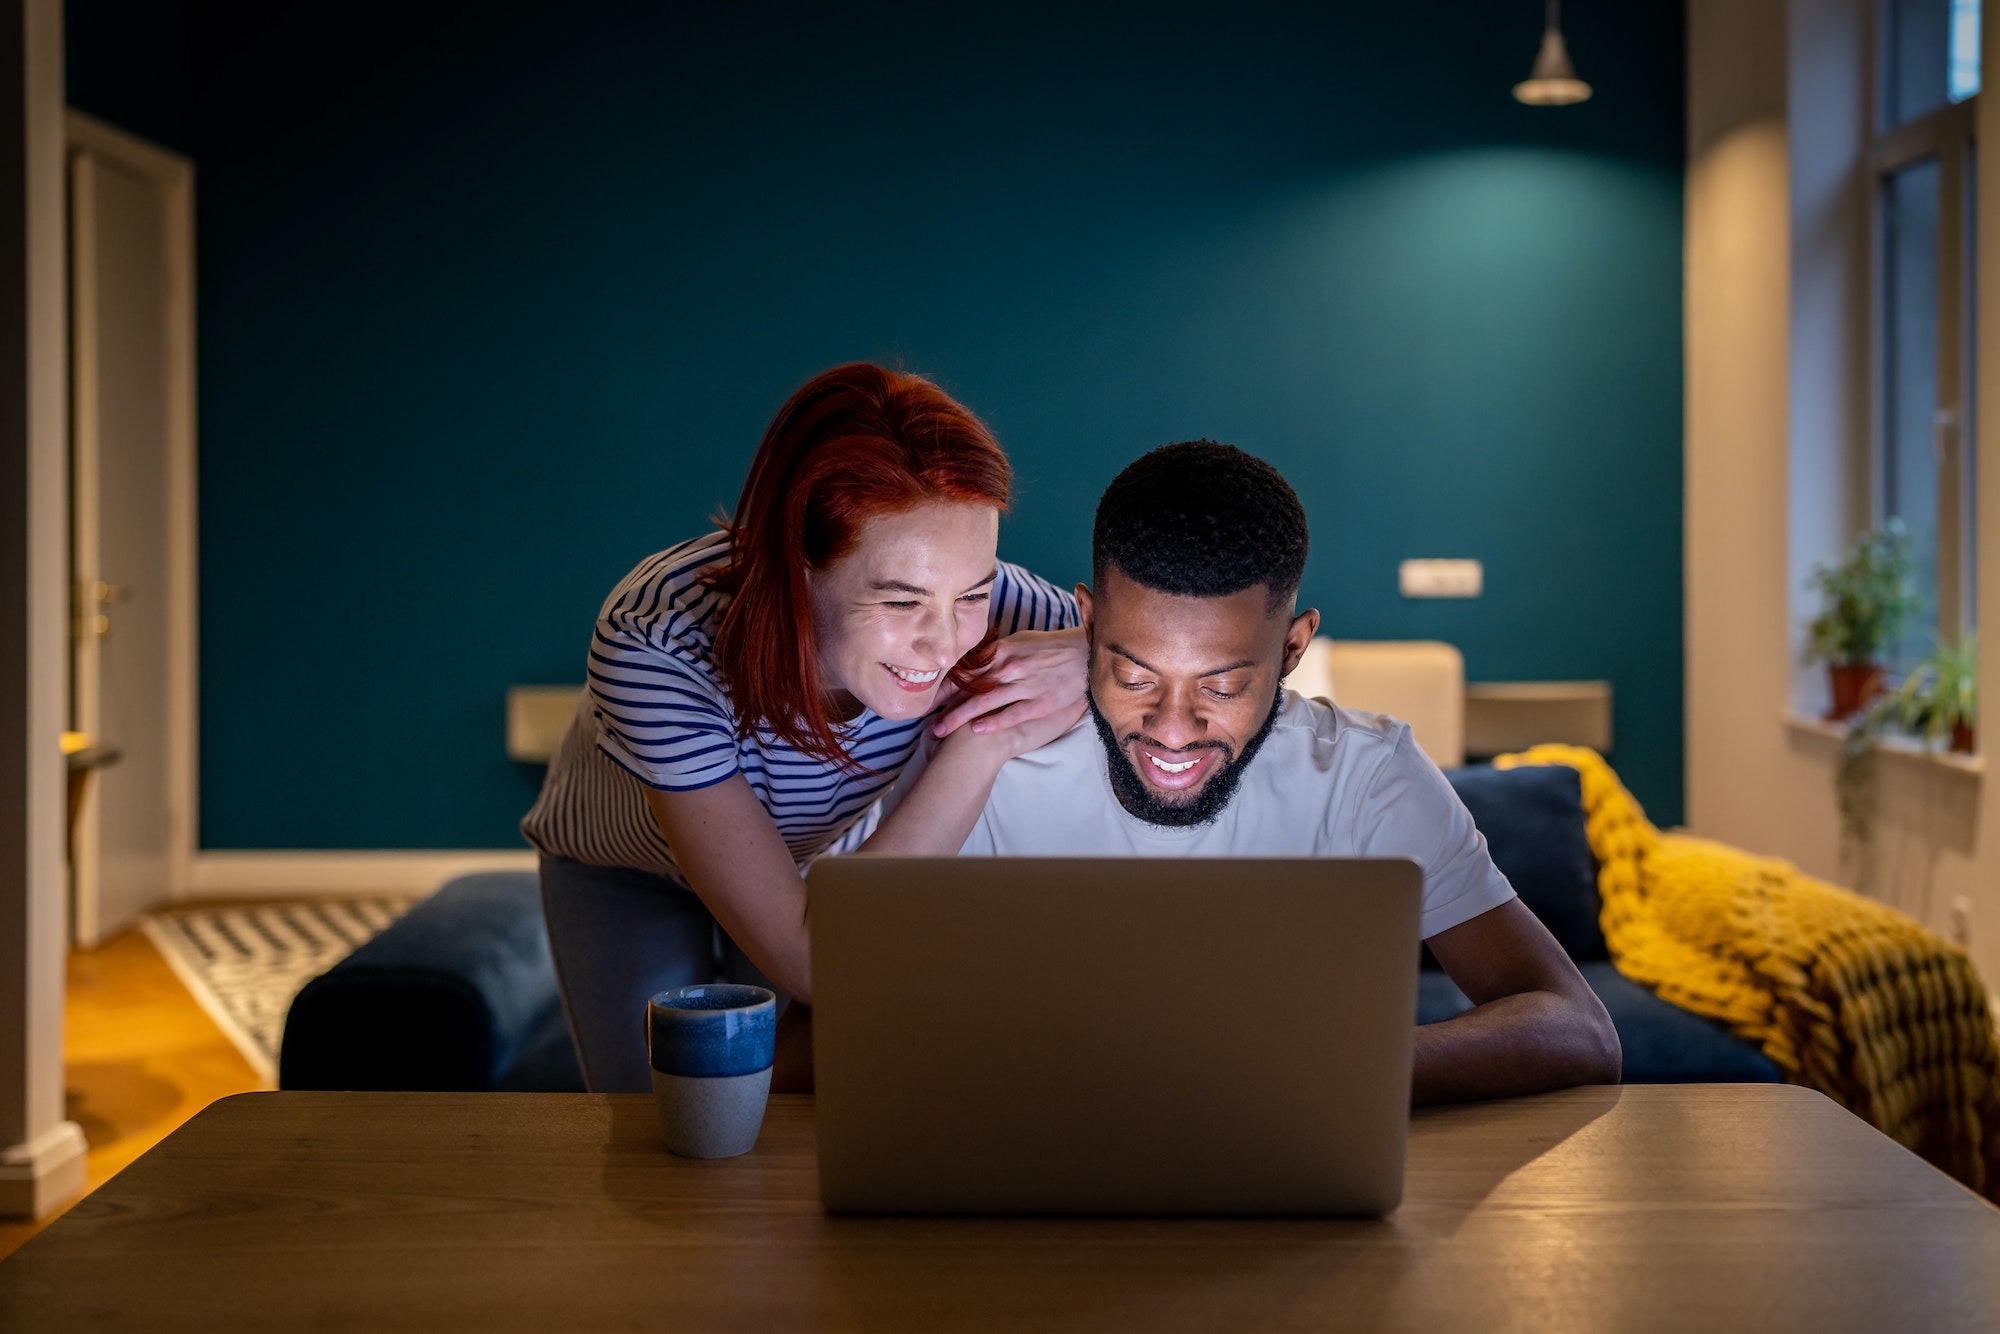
point(174, 175)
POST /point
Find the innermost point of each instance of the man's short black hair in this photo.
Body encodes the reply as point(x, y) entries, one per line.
point(1201, 519)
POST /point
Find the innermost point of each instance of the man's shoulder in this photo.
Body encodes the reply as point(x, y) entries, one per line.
point(1075, 751)
point(1326, 734)
point(1041, 800)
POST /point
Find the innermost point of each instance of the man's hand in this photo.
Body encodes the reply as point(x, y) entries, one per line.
point(1027, 676)
point(1535, 1023)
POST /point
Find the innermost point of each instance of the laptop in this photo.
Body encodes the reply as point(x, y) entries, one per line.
point(1113, 1035)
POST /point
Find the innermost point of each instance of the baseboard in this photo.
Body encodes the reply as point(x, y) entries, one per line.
point(41, 1176)
point(265, 875)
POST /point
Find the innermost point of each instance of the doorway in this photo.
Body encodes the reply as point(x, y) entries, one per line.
point(131, 276)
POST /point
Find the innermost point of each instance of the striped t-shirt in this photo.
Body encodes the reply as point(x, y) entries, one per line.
point(655, 712)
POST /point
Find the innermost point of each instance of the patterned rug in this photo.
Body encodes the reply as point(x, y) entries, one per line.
point(244, 965)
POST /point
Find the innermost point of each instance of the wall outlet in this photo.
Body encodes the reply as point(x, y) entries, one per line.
point(1961, 921)
point(1441, 578)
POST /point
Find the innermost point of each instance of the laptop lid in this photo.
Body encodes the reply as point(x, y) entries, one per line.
point(1113, 1035)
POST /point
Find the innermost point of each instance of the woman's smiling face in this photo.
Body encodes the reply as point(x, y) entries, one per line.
point(899, 610)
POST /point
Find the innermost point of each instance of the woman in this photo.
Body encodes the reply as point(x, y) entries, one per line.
point(753, 691)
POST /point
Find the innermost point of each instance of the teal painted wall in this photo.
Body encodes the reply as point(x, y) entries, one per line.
point(490, 308)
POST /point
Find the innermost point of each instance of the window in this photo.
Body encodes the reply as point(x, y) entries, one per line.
point(1922, 163)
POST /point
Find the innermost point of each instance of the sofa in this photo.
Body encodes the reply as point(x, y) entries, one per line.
point(460, 992)
point(1533, 821)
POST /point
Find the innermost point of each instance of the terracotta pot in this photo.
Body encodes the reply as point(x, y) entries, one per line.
point(1961, 738)
point(1854, 687)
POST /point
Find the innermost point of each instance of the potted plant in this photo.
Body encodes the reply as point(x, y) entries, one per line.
point(1939, 699)
point(1866, 601)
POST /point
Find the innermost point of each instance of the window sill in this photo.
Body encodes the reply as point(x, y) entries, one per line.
point(1908, 747)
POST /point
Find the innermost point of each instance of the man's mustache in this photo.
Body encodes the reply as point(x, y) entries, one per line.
point(1145, 740)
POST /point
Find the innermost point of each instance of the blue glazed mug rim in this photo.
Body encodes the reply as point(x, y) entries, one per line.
point(743, 996)
point(735, 1033)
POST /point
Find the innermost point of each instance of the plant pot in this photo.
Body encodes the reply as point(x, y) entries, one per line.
point(1962, 738)
point(1855, 686)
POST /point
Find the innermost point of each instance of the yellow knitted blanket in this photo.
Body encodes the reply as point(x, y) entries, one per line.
point(1845, 995)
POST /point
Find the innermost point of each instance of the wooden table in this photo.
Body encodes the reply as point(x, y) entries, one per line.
point(1646, 1208)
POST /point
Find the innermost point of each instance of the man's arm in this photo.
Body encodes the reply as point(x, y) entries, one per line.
point(1535, 1023)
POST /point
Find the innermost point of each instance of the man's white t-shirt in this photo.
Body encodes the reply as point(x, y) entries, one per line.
point(1328, 782)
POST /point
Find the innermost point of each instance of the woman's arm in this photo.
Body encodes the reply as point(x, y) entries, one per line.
point(935, 816)
point(728, 847)
point(1028, 692)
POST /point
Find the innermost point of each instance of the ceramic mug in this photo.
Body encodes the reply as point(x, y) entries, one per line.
point(711, 1046)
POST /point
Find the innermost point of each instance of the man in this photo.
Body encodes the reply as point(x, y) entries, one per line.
point(1193, 747)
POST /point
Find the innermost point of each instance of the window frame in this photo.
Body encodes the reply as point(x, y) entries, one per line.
point(1946, 133)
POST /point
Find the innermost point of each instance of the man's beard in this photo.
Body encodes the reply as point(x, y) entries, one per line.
point(1140, 800)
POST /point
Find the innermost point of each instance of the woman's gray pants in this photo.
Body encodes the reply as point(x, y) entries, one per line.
point(618, 937)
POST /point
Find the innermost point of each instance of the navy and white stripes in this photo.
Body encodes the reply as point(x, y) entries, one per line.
point(655, 713)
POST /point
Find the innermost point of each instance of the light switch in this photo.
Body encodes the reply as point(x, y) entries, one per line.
point(1441, 578)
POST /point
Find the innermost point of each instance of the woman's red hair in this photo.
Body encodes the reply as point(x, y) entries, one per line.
point(853, 443)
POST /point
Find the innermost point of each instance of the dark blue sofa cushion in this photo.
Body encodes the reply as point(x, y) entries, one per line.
point(1663, 1043)
point(453, 996)
point(1532, 818)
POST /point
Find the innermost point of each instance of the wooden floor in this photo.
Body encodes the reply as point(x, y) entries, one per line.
point(140, 1057)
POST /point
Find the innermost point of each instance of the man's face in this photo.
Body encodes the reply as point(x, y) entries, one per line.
point(1183, 690)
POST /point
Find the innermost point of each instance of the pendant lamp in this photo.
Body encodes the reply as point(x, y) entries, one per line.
point(1554, 82)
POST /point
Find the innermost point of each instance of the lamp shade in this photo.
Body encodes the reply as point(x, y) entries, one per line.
point(1554, 82)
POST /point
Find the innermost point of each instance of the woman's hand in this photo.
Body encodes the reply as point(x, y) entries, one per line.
point(996, 745)
point(1030, 676)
